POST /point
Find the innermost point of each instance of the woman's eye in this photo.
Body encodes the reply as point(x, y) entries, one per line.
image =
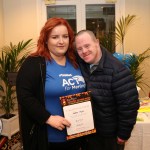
point(54, 37)
point(66, 36)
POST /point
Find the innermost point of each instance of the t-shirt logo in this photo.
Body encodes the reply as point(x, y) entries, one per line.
point(74, 82)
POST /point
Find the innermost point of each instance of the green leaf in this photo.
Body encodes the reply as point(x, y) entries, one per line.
point(122, 27)
point(11, 58)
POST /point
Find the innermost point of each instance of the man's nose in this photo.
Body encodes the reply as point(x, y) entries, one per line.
point(84, 50)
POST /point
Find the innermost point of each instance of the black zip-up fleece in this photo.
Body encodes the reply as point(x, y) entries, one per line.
point(30, 95)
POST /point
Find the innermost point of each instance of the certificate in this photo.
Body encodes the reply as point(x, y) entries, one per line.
point(77, 110)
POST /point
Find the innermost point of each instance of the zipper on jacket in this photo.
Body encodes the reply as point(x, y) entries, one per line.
point(32, 129)
point(42, 77)
point(42, 80)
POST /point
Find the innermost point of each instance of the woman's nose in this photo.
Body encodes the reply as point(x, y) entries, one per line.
point(61, 40)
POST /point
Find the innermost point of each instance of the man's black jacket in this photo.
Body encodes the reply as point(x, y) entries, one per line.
point(114, 96)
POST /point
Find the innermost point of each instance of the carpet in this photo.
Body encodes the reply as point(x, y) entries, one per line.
point(10, 144)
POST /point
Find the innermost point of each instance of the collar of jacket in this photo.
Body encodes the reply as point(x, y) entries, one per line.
point(101, 62)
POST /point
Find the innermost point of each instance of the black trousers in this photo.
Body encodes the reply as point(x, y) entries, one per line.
point(69, 145)
point(95, 142)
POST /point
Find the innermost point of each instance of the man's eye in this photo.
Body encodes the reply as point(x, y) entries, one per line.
point(87, 46)
point(79, 49)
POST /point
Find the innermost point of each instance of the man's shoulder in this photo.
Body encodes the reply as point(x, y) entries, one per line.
point(111, 61)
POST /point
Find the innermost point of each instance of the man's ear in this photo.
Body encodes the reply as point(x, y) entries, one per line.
point(97, 40)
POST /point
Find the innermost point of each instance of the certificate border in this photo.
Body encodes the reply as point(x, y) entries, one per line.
point(81, 134)
point(75, 99)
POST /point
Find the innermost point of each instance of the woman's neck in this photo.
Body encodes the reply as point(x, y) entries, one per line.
point(60, 60)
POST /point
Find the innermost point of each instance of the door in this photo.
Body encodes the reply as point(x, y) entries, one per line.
point(95, 15)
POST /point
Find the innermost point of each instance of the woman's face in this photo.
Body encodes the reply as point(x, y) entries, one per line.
point(58, 41)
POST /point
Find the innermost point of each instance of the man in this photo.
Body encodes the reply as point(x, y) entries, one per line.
point(114, 93)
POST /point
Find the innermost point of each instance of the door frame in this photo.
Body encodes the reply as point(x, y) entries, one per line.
point(80, 10)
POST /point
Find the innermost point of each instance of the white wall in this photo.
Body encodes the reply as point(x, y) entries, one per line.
point(138, 37)
point(1, 24)
point(139, 34)
point(1, 29)
point(24, 18)
point(20, 20)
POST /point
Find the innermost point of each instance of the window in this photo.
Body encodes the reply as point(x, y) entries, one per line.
point(67, 12)
point(90, 14)
point(101, 20)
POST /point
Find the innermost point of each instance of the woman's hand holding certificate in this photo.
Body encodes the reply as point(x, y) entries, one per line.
point(58, 122)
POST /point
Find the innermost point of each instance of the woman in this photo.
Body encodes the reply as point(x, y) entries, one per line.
point(47, 74)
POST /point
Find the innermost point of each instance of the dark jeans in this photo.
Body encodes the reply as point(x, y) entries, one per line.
point(69, 145)
point(95, 142)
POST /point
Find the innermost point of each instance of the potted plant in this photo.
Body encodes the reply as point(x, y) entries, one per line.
point(122, 27)
point(109, 38)
point(11, 58)
point(132, 61)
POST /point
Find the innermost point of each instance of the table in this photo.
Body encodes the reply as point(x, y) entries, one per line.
point(140, 136)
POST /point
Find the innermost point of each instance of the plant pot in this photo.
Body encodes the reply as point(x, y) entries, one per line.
point(138, 89)
point(10, 126)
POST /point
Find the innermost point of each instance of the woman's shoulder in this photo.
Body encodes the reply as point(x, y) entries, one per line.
point(35, 58)
point(31, 60)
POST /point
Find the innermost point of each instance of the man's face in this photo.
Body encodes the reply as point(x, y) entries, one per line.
point(87, 48)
